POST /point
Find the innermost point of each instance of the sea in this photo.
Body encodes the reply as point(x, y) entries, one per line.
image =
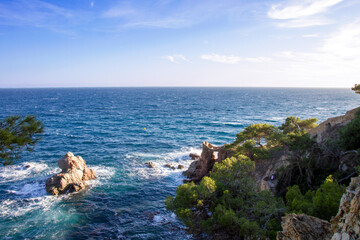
point(117, 130)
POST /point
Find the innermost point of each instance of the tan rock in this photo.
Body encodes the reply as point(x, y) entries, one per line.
point(347, 221)
point(329, 128)
point(71, 179)
point(304, 227)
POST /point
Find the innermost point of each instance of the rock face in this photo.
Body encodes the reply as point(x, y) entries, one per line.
point(71, 179)
point(203, 165)
point(346, 224)
point(266, 170)
point(303, 227)
point(330, 128)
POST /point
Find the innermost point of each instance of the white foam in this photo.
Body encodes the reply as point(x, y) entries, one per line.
point(139, 170)
point(19, 207)
point(103, 174)
point(24, 170)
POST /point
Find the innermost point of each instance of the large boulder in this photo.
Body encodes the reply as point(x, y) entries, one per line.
point(346, 224)
point(72, 177)
point(303, 227)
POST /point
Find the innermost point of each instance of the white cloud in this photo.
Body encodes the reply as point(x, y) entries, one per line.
point(300, 8)
point(38, 14)
point(314, 35)
point(304, 22)
point(337, 61)
point(176, 58)
point(232, 59)
point(302, 13)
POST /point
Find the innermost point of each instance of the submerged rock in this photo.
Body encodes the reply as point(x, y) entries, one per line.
point(169, 166)
point(150, 164)
point(71, 179)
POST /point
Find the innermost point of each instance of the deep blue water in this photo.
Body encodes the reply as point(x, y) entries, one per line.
point(117, 130)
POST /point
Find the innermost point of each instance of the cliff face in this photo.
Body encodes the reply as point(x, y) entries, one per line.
point(202, 166)
point(344, 226)
point(329, 129)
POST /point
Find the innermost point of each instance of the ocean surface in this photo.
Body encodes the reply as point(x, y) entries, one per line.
point(117, 130)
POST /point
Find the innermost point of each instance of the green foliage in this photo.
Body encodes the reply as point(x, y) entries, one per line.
point(356, 88)
point(17, 134)
point(296, 125)
point(322, 203)
point(228, 202)
point(350, 134)
point(259, 133)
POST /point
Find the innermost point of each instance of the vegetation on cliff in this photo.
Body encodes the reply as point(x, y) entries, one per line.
point(16, 135)
point(228, 203)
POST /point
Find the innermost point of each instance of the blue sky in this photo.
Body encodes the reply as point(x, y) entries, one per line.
point(100, 43)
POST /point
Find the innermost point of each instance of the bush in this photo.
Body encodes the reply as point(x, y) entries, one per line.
point(322, 203)
point(350, 134)
point(228, 202)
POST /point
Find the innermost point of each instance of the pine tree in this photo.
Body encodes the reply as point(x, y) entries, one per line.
point(17, 134)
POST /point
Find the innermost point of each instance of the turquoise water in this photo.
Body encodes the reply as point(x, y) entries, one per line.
point(106, 127)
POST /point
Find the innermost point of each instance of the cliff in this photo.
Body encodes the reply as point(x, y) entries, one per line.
point(345, 225)
point(329, 129)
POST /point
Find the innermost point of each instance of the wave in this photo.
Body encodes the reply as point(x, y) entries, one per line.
point(138, 170)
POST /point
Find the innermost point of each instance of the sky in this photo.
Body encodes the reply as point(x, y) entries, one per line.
point(245, 43)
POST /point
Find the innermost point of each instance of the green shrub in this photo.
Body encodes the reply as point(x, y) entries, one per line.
point(228, 202)
point(350, 134)
point(322, 203)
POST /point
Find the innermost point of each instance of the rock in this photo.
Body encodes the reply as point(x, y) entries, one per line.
point(180, 166)
point(304, 227)
point(191, 171)
point(330, 128)
point(346, 224)
point(194, 156)
point(203, 165)
point(169, 166)
point(150, 164)
point(71, 179)
point(266, 170)
point(27, 166)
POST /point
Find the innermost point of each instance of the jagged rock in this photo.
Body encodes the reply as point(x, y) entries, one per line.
point(346, 224)
point(202, 166)
point(330, 128)
point(71, 179)
point(303, 227)
point(150, 164)
point(169, 166)
point(194, 156)
point(181, 166)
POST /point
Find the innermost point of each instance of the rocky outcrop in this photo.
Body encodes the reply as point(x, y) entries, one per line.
point(303, 227)
point(203, 165)
point(346, 224)
point(330, 128)
point(72, 177)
